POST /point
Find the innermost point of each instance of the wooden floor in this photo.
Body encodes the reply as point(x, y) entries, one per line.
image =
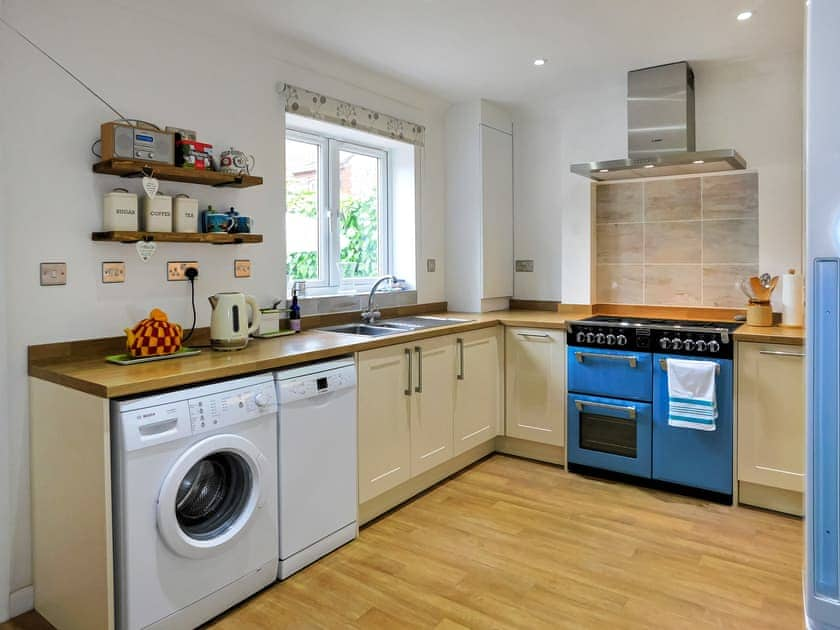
point(510, 543)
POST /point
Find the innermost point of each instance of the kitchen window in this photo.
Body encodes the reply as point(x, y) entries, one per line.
point(337, 212)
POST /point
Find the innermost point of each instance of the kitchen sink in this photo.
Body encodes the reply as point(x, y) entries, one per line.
point(363, 329)
point(395, 326)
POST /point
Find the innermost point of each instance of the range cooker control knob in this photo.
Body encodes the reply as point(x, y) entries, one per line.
point(701, 345)
point(664, 343)
point(590, 337)
point(621, 340)
point(689, 345)
point(677, 344)
point(600, 338)
point(714, 346)
point(611, 339)
point(580, 337)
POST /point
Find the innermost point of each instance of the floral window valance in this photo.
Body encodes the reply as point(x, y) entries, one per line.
point(307, 103)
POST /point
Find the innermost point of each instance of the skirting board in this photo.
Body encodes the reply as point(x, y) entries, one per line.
point(380, 504)
point(21, 601)
point(776, 499)
point(531, 450)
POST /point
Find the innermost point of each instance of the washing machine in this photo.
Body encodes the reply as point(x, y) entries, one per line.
point(194, 501)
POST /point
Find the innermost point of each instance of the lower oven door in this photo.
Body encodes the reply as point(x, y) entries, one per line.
point(610, 433)
point(690, 457)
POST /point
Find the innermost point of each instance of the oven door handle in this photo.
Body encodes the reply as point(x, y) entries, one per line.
point(633, 360)
point(663, 363)
point(631, 411)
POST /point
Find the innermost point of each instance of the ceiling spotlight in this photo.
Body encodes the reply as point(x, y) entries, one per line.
point(540, 62)
point(649, 165)
point(744, 16)
point(699, 162)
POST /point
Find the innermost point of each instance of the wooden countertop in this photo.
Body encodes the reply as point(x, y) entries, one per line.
point(771, 334)
point(92, 374)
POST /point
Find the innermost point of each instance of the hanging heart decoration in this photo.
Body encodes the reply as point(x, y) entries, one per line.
point(151, 185)
point(146, 249)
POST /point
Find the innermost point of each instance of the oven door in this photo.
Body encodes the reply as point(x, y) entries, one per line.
point(610, 433)
point(698, 459)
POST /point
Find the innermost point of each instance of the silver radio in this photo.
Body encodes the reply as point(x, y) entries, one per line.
point(123, 141)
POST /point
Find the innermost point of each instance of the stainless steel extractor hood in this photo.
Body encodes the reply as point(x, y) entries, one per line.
point(660, 130)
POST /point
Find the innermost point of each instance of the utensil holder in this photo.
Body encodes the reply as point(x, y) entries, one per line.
point(759, 314)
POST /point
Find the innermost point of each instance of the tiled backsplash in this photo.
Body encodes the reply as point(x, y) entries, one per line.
point(681, 241)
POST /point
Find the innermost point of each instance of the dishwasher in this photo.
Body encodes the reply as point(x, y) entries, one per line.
point(316, 461)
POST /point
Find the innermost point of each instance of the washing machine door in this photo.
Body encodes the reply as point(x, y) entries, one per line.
point(210, 495)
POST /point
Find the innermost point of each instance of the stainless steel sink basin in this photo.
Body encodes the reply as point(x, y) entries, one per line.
point(363, 329)
point(394, 326)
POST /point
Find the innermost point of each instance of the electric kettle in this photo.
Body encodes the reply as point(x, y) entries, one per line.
point(229, 327)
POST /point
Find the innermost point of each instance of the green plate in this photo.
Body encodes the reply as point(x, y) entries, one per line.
point(127, 359)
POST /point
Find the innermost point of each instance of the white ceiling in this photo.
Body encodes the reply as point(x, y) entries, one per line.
point(462, 49)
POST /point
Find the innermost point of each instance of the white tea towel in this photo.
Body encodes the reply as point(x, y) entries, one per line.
point(691, 394)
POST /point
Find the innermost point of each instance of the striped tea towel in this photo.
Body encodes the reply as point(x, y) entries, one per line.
point(691, 394)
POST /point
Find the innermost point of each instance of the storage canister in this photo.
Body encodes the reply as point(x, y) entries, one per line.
point(185, 214)
point(157, 213)
point(120, 211)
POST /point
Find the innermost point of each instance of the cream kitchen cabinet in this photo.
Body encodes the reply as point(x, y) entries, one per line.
point(385, 389)
point(432, 403)
point(771, 425)
point(479, 197)
point(535, 375)
point(478, 388)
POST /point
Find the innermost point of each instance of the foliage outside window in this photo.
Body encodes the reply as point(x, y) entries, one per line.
point(323, 248)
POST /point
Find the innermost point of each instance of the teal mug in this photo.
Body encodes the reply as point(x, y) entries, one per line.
point(215, 222)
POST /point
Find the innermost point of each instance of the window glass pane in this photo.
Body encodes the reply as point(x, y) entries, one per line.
point(302, 225)
point(359, 216)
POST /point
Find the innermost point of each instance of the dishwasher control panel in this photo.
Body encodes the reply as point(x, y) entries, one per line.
point(301, 388)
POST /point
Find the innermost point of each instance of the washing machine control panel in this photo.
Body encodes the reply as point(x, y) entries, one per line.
point(224, 409)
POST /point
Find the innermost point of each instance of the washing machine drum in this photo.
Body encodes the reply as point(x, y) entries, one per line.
point(210, 495)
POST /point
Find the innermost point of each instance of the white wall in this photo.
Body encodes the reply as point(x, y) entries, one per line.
point(753, 105)
point(186, 67)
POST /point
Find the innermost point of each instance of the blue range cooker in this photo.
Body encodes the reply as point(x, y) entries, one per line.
point(618, 401)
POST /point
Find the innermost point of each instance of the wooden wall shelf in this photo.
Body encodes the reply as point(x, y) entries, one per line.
point(168, 172)
point(216, 238)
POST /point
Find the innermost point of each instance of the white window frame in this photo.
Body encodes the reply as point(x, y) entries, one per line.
point(329, 193)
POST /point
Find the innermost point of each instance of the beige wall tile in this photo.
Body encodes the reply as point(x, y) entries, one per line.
point(730, 196)
point(672, 199)
point(673, 285)
point(619, 243)
point(672, 242)
point(619, 284)
point(618, 203)
point(721, 284)
point(731, 241)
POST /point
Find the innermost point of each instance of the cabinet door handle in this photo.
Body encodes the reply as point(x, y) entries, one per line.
point(537, 335)
point(631, 359)
point(631, 411)
point(419, 351)
point(407, 391)
point(460, 343)
point(779, 353)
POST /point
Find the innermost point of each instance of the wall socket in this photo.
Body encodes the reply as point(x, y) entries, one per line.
point(241, 268)
point(53, 274)
point(431, 263)
point(524, 265)
point(176, 271)
point(113, 272)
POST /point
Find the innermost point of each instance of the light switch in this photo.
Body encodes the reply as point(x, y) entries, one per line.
point(53, 274)
point(431, 263)
point(241, 268)
point(113, 272)
point(524, 265)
